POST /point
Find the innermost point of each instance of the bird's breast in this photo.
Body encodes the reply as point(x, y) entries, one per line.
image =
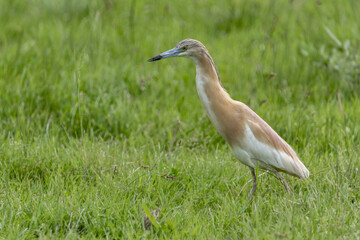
point(220, 109)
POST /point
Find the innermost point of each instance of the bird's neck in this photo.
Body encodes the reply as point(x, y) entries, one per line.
point(207, 75)
point(213, 96)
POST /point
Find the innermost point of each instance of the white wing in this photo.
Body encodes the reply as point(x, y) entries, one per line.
point(270, 156)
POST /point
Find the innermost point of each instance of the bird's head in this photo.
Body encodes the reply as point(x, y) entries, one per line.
point(186, 48)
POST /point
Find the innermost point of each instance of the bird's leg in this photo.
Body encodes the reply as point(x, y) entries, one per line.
point(254, 183)
point(282, 179)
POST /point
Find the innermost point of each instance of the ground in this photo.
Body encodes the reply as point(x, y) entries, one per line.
point(92, 136)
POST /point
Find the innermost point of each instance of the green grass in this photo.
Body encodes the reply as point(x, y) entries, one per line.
point(87, 125)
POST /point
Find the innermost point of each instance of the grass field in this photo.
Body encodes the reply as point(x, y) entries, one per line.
point(91, 134)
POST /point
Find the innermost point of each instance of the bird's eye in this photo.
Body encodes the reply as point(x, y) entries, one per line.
point(184, 48)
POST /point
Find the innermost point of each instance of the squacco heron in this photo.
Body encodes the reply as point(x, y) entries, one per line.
point(251, 140)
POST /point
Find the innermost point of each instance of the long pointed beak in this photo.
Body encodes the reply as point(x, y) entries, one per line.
point(171, 53)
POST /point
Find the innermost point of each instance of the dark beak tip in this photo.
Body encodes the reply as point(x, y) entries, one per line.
point(156, 58)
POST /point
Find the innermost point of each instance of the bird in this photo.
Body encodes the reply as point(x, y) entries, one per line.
point(251, 140)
